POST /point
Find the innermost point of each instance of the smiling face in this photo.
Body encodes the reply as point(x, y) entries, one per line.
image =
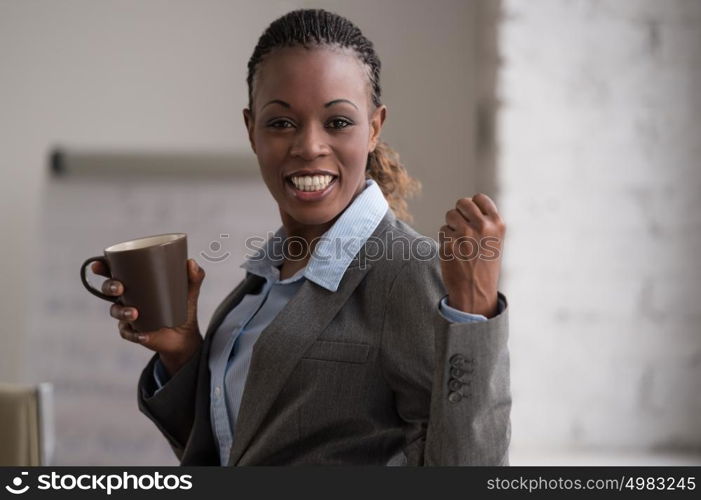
point(312, 112)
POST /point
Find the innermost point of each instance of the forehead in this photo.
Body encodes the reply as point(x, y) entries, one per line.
point(306, 77)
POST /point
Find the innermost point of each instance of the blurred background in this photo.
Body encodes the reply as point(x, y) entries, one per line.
point(123, 118)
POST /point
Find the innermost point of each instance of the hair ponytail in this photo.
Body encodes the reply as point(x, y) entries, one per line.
point(395, 182)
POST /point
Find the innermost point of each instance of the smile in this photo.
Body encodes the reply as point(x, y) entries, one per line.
point(311, 187)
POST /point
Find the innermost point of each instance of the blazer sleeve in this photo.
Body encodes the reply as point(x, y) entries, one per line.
point(451, 380)
point(172, 407)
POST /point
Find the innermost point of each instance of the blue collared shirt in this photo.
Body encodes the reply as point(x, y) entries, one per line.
point(232, 344)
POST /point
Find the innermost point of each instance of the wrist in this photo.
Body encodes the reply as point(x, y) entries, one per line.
point(174, 361)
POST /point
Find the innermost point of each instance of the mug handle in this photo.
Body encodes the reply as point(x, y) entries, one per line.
point(87, 286)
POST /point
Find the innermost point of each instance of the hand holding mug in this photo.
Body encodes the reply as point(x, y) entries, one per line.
point(155, 290)
point(174, 345)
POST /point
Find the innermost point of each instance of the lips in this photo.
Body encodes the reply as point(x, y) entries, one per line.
point(310, 195)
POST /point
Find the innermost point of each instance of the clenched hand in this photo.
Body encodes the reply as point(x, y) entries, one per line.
point(470, 254)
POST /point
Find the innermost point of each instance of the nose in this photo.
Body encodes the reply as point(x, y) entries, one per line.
point(309, 143)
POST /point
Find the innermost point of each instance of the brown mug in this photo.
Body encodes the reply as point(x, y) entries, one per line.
point(153, 271)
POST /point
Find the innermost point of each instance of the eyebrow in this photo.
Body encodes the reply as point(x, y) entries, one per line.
point(330, 103)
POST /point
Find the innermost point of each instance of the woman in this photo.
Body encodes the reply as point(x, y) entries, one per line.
point(328, 353)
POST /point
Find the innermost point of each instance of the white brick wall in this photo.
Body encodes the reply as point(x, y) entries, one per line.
point(600, 148)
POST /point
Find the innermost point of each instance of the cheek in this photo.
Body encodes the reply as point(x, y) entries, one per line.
point(269, 146)
point(271, 153)
point(354, 150)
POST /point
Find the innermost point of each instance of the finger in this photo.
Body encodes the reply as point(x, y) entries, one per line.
point(128, 333)
point(99, 268)
point(485, 204)
point(456, 221)
point(445, 232)
point(469, 209)
point(125, 313)
point(112, 287)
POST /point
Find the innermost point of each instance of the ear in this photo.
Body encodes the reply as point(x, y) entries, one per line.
point(376, 121)
point(249, 121)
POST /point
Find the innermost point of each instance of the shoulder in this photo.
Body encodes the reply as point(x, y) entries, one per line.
point(401, 256)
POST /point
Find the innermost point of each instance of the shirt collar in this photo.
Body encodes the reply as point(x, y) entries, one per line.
point(336, 248)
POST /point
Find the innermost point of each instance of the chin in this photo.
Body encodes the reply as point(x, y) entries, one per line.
point(313, 217)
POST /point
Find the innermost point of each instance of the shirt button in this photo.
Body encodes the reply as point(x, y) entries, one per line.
point(454, 384)
point(217, 391)
point(457, 360)
point(454, 397)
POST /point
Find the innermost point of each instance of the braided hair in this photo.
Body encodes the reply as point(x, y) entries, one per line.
point(318, 28)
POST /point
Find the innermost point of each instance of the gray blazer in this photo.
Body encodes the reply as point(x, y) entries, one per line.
point(370, 374)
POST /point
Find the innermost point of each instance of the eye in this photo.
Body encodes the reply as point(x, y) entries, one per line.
point(340, 123)
point(280, 124)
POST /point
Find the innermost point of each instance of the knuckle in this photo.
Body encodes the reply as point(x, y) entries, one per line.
point(484, 198)
point(463, 202)
point(456, 213)
point(500, 224)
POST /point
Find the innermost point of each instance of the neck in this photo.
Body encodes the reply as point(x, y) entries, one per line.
point(305, 234)
point(309, 234)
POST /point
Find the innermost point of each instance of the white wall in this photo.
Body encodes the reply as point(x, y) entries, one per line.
point(170, 75)
point(599, 181)
point(105, 74)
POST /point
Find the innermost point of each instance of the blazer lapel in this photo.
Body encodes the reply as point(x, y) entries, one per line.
point(281, 345)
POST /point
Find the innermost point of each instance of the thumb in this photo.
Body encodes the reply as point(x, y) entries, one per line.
point(195, 276)
point(195, 273)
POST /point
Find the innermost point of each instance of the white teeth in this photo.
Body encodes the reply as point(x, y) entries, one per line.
point(312, 182)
